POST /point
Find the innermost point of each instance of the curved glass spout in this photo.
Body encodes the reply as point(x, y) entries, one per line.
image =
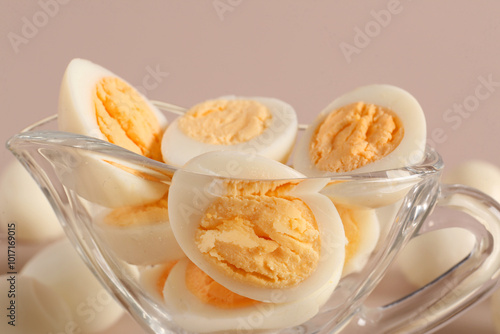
point(52, 158)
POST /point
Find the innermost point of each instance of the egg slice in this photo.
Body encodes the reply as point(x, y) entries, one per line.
point(23, 204)
point(362, 231)
point(201, 305)
point(256, 237)
point(95, 102)
point(254, 125)
point(152, 278)
point(140, 235)
point(29, 306)
point(372, 128)
point(59, 267)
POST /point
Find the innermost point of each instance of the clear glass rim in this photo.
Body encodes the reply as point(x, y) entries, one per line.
point(431, 163)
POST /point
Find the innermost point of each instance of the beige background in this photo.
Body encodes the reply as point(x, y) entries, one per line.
point(304, 52)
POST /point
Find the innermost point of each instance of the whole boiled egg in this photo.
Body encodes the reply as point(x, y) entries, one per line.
point(256, 226)
point(95, 102)
point(479, 174)
point(24, 206)
point(371, 128)
point(254, 125)
point(60, 267)
point(199, 304)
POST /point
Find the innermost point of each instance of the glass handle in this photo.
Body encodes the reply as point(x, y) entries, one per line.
point(466, 283)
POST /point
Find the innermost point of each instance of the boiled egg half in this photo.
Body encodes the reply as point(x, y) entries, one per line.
point(362, 230)
point(372, 128)
point(95, 102)
point(253, 125)
point(199, 304)
point(264, 229)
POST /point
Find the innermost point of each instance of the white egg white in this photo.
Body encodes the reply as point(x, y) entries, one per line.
point(191, 314)
point(409, 152)
point(196, 185)
point(386, 216)
point(149, 278)
point(93, 179)
point(369, 232)
point(275, 142)
point(59, 267)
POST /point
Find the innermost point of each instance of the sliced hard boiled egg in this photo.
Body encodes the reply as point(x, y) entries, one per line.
point(372, 128)
point(199, 304)
point(59, 267)
point(262, 230)
point(140, 235)
point(362, 230)
point(254, 125)
point(95, 102)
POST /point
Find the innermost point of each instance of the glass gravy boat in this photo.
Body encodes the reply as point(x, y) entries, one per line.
point(84, 178)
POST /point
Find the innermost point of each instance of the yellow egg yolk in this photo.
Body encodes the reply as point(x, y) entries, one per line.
point(147, 214)
point(267, 241)
point(352, 232)
point(210, 292)
point(354, 136)
point(225, 122)
point(125, 119)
